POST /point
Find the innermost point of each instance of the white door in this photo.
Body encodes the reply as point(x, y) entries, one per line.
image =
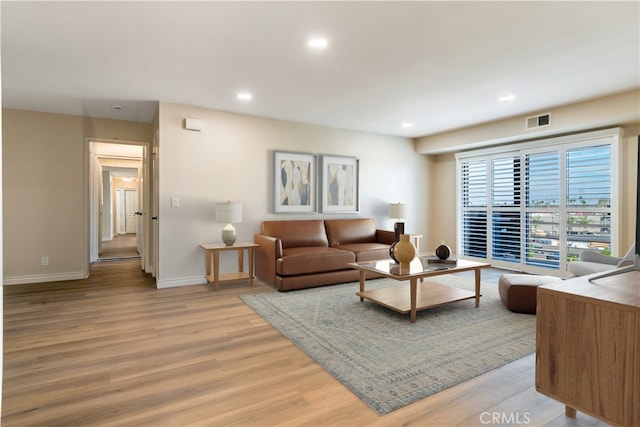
point(130, 209)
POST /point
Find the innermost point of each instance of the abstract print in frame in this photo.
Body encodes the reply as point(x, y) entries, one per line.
point(295, 182)
point(340, 184)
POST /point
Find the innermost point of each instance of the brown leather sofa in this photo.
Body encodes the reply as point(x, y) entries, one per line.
point(301, 254)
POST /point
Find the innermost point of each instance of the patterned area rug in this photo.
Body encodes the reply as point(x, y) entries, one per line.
point(385, 359)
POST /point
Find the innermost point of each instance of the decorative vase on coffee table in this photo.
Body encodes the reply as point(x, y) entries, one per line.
point(403, 251)
point(443, 251)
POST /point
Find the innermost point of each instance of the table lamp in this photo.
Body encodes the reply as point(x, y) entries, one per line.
point(228, 213)
point(398, 211)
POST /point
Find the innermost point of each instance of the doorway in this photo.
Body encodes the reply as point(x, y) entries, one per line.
point(118, 197)
point(119, 213)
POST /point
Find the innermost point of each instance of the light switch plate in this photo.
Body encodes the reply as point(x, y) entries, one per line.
point(175, 202)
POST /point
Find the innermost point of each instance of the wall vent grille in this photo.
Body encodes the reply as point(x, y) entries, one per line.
point(534, 122)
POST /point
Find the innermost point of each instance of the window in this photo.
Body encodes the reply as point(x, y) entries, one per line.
point(538, 205)
point(542, 209)
point(474, 216)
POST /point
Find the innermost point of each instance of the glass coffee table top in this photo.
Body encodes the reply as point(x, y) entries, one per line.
point(422, 265)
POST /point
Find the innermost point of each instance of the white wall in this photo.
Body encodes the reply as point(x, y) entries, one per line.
point(232, 159)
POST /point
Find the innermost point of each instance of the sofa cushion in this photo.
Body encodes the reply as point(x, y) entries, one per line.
point(345, 231)
point(308, 260)
point(296, 233)
point(583, 268)
point(367, 251)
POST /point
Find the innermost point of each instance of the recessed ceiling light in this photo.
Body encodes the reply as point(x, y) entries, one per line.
point(244, 96)
point(117, 107)
point(507, 98)
point(407, 125)
point(318, 43)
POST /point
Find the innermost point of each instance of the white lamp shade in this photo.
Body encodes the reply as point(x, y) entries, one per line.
point(229, 212)
point(398, 210)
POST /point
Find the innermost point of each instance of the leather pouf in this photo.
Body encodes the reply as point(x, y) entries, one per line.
point(519, 292)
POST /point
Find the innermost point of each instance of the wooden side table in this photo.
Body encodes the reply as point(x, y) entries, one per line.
point(212, 259)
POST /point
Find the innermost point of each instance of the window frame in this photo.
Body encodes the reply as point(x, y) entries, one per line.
point(611, 137)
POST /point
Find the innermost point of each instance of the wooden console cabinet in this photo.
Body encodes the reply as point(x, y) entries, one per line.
point(588, 346)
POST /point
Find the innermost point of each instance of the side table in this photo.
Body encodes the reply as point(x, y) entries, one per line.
point(212, 259)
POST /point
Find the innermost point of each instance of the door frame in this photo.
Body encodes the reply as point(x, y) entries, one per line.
point(92, 190)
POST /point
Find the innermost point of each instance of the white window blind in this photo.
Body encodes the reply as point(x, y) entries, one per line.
point(538, 205)
point(505, 199)
point(542, 191)
point(474, 201)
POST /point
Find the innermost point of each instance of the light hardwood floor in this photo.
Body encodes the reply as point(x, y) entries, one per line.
point(114, 351)
point(121, 246)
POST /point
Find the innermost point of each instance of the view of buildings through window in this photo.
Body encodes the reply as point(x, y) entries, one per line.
point(536, 207)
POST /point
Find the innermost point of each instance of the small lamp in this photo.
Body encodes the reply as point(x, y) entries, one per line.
point(227, 213)
point(398, 211)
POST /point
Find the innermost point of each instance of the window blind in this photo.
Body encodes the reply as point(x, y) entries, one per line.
point(537, 206)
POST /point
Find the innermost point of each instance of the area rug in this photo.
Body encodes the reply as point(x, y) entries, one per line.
point(381, 356)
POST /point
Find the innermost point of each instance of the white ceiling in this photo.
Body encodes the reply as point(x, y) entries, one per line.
point(440, 65)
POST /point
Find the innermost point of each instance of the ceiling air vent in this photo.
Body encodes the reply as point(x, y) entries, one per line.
point(538, 121)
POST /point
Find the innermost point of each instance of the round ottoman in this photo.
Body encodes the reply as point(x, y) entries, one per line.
point(518, 292)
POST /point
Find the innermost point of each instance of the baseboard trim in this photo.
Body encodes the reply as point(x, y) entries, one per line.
point(41, 278)
point(184, 281)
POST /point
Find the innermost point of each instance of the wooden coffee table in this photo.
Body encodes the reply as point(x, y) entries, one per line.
point(417, 295)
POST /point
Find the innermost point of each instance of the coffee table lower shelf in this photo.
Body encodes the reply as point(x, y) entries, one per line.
point(428, 295)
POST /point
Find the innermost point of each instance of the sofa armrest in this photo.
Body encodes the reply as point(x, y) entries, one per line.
point(266, 255)
point(589, 255)
point(385, 236)
point(625, 262)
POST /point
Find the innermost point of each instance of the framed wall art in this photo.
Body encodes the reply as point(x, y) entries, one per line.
point(340, 183)
point(295, 187)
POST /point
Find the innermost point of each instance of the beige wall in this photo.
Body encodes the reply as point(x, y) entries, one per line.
point(121, 183)
point(232, 159)
point(617, 110)
point(622, 109)
point(45, 209)
point(44, 181)
point(443, 203)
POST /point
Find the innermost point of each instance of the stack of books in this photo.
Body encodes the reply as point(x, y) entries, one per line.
point(432, 259)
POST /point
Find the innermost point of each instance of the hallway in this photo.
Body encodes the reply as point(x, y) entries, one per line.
point(122, 246)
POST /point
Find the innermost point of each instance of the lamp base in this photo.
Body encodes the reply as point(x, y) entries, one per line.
point(399, 229)
point(229, 235)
